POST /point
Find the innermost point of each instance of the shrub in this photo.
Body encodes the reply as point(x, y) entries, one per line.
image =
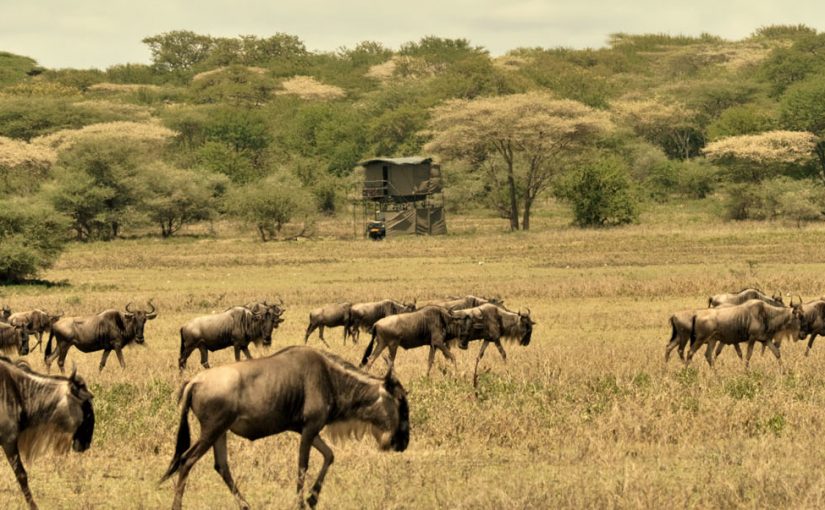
point(270, 204)
point(32, 236)
point(601, 194)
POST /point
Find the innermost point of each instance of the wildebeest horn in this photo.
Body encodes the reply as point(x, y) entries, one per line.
point(127, 307)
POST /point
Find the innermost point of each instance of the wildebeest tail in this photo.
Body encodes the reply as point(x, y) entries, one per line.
point(369, 347)
point(182, 348)
point(184, 439)
point(49, 345)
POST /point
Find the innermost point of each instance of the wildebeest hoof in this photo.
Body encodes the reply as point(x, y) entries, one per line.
point(312, 500)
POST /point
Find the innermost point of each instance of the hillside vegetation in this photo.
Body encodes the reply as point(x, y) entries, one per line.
point(261, 131)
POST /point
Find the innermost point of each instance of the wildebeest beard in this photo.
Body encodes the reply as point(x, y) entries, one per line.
point(82, 438)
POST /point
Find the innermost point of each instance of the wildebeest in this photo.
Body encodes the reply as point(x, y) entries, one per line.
point(467, 302)
point(275, 310)
point(752, 321)
point(38, 322)
point(491, 323)
point(14, 337)
point(330, 316)
point(431, 325)
point(236, 327)
point(814, 312)
point(742, 296)
point(110, 330)
point(297, 389)
point(39, 413)
point(681, 324)
point(5, 313)
point(365, 315)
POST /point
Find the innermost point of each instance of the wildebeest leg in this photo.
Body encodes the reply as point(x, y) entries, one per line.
point(709, 352)
point(222, 467)
point(22, 478)
point(310, 329)
point(237, 349)
point(321, 335)
point(103, 359)
point(750, 353)
point(119, 354)
point(738, 350)
point(308, 436)
point(189, 458)
point(478, 358)
point(380, 345)
point(325, 450)
point(430, 359)
point(245, 350)
point(810, 344)
point(670, 346)
point(719, 349)
point(775, 350)
point(204, 356)
point(501, 350)
point(39, 336)
point(441, 346)
point(63, 350)
point(186, 351)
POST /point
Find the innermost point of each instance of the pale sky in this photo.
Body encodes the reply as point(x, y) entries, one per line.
point(101, 33)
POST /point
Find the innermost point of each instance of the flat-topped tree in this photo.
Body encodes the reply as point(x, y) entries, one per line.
point(520, 142)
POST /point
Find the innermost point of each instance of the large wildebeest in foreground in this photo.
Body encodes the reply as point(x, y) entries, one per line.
point(14, 338)
point(491, 323)
point(39, 413)
point(365, 315)
point(751, 322)
point(431, 326)
point(110, 330)
point(236, 327)
point(329, 316)
point(38, 322)
point(742, 296)
point(297, 389)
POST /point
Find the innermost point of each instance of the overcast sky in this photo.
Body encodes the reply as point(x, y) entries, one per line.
point(100, 33)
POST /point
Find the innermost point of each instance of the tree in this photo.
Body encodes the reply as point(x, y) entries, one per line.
point(520, 141)
point(802, 108)
point(271, 204)
point(178, 197)
point(668, 124)
point(32, 236)
point(178, 50)
point(754, 157)
point(601, 194)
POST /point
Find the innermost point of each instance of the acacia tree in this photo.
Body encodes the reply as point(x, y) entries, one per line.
point(520, 141)
point(670, 125)
point(751, 156)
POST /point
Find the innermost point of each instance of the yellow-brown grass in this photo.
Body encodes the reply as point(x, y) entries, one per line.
point(586, 416)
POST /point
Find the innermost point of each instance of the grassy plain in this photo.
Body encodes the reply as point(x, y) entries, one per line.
point(587, 416)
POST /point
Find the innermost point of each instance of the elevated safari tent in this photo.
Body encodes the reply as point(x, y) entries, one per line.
point(404, 193)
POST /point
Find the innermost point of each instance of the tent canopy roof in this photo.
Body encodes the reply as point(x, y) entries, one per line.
point(414, 160)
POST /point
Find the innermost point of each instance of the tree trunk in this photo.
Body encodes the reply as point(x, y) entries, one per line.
point(115, 229)
point(525, 222)
point(511, 184)
point(819, 149)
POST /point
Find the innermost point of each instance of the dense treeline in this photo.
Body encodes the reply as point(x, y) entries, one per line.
point(265, 131)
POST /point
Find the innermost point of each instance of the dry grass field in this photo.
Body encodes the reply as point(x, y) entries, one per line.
point(586, 416)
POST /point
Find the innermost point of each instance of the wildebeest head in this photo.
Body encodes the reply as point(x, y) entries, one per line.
point(800, 319)
point(408, 306)
point(81, 413)
point(778, 297)
point(5, 314)
point(21, 334)
point(137, 319)
point(526, 325)
point(396, 429)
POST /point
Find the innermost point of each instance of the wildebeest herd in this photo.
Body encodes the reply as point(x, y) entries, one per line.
point(747, 317)
point(297, 389)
